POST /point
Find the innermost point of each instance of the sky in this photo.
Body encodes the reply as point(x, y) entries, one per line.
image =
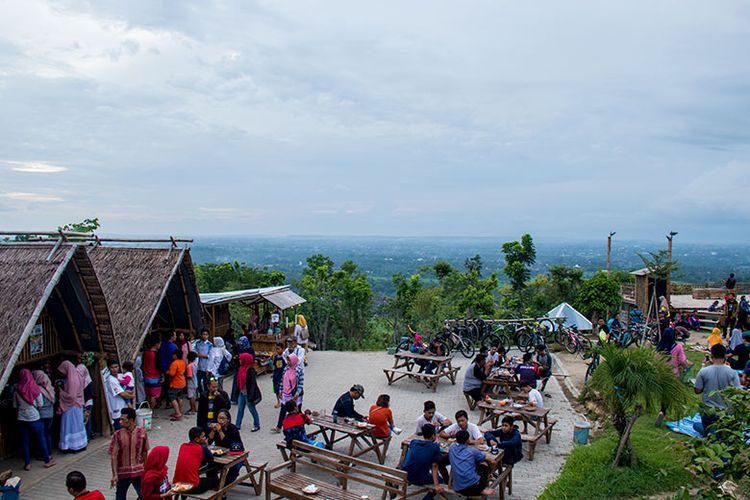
point(424, 118)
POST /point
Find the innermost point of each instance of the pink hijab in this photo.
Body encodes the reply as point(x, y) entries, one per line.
point(27, 388)
point(290, 375)
point(71, 394)
point(45, 384)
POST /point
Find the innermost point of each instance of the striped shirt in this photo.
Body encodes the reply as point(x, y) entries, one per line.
point(130, 448)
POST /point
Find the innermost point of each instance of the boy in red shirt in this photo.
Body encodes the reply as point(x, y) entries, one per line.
point(177, 383)
point(191, 458)
point(76, 484)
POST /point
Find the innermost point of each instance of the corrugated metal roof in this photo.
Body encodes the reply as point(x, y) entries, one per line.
point(280, 296)
point(284, 299)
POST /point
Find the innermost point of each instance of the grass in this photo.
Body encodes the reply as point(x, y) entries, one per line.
point(588, 472)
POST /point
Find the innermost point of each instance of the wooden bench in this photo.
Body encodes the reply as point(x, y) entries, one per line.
point(343, 468)
point(533, 439)
point(253, 477)
point(500, 483)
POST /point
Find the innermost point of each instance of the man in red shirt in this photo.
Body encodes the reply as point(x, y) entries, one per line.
point(191, 458)
point(76, 484)
point(129, 450)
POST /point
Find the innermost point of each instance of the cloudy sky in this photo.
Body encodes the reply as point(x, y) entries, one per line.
point(396, 118)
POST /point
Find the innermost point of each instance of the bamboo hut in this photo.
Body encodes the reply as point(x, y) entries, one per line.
point(51, 306)
point(148, 290)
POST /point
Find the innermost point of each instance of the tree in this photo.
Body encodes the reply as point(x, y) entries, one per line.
point(658, 264)
point(631, 381)
point(400, 306)
point(85, 226)
point(564, 283)
point(598, 294)
point(474, 264)
point(519, 256)
point(442, 269)
point(228, 276)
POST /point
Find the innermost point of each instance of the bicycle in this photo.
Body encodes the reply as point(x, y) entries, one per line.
point(575, 343)
point(528, 340)
point(452, 341)
point(593, 365)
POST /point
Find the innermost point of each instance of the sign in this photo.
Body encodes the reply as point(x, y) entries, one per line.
point(275, 318)
point(36, 341)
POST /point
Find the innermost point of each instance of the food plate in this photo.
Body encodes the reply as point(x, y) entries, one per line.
point(361, 425)
point(483, 447)
point(181, 487)
point(218, 451)
point(310, 489)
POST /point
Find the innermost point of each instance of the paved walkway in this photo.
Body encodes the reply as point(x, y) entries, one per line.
point(327, 377)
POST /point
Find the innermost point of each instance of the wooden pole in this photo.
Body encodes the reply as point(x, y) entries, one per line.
point(609, 250)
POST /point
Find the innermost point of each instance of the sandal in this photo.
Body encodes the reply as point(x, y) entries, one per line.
point(51, 463)
point(27, 467)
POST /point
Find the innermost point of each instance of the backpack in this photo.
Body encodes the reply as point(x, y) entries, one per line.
point(304, 333)
point(223, 366)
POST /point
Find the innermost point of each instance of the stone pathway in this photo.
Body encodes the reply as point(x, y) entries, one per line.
point(328, 376)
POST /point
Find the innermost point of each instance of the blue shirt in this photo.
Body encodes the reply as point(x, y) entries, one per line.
point(203, 347)
point(165, 354)
point(464, 461)
point(419, 459)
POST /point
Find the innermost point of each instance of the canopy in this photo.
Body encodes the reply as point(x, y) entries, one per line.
point(281, 296)
point(572, 317)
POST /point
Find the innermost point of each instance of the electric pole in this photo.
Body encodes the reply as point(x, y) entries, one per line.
point(671, 235)
point(609, 249)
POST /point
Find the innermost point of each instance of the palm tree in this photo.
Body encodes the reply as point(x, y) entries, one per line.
point(631, 382)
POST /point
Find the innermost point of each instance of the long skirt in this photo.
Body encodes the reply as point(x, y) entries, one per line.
point(72, 430)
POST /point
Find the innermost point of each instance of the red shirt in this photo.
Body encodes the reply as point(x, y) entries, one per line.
point(189, 461)
point(149, 365)
point(91, 495)
point(380, 418)
point(295, 420)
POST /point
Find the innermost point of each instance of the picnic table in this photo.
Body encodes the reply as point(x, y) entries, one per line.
point(359, 435)
point(252, 477)
point(537, 417)
point(500, 477)
point(404, 366)
point(501, 381)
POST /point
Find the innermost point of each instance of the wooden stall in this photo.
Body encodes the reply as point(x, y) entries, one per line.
point(262, 302)
point(51, 307)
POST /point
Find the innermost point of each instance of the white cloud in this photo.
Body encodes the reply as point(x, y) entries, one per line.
point(36, 197)
point(36, 167)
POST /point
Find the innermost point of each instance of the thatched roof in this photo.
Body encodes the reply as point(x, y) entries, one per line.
point(29, 274)
point(142, 283)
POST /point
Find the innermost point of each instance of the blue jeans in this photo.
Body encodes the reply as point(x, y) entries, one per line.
point(47, 424)
point(36, 429)
point(241, 402)
point(123, 485)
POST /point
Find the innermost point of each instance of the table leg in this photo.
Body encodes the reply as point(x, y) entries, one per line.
point(351, 446)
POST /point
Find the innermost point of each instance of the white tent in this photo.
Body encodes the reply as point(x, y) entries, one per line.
point(572, 317)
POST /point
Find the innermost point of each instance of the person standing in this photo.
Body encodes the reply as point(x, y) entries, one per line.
point(289, 389)
point(117, 397)
point(302, 334)
point(152, 374)
point(88, 400)
point(712, 379)
point(218, 361)
point(731, 282)
point(177, 383)
point(279, 364)
point(129, 450)
point(249, 393)
point(47, 410)
point(730, 314)
point(203, 350)
point(168, 346)
point(72, 431)
point(28, 400)
point(293, 348)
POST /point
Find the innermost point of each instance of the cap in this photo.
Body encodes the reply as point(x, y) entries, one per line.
point(359, 389)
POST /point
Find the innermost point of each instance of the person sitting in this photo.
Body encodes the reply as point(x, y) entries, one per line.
point(527, 371)
point(463, 424)
point(191, 457)
point(381, 417)
point(435, 348)
point(75, 482)
point(294, 423)
point(422, 462)
point(225, 434)
point(714, 338)
point(469, 468)
point(740, 355)
point(694, 321)
point(432, 417)
point(544, 364)
point(155, 481)
point(475, 376)
point(344, 407)
point(494, 358)
point(210, 404)
point(715, 306)
point(533, 396)
point(507, 437)
point(682, 333)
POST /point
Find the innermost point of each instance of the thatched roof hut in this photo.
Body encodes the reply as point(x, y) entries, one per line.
point(147, 290)
point(51, 295)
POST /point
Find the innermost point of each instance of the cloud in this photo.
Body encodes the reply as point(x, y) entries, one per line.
point(35, 197)
point(37, 167)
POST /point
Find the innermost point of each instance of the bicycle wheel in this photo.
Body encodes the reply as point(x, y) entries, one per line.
point(561, 335)
point(548, 328)
point(404, 345)
point(590, 371)
point(448, 345)
point(571, 345)
point(584, 347)
point(525, 342)
point(466, 348)
point(504, 343)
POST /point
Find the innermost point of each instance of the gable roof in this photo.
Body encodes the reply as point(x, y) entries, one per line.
point(281, 296)
point(135, 281)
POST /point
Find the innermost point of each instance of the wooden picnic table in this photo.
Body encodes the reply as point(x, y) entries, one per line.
point(502, 381)
point(530, 415)
point(488, 406)
point(360, 437)
point(252, 477)
point(495, 461)
point(405, 362)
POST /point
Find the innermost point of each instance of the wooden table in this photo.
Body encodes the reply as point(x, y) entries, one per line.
point(534, 416)
point(405, 362)
point(501, 381)
point(361, 438)
point(252, 477)
point(487, 408)
point(495, 461)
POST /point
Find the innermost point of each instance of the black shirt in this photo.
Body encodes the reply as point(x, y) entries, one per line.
point(740, 356)
point(344, 407)
point(231, 436)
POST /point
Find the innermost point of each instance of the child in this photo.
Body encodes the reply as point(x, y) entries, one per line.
point(177, 383)
point(493, 357)
point(127, 380)
point(191, 373)
point(278, 372)
point(508, 438)
point(294, 426)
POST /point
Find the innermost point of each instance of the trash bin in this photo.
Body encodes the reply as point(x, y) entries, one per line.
point(581, 432)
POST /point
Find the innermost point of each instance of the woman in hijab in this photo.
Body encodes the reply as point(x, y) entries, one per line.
point(88, 399)
point(302, 333)
point(735, 339)
point(289, 388)
point(249, 393)
point(668, 345)
point(714, 338)
point(215, 358)
point(47, 410)
point(72, 432)
point(243, 345)
point(28, 399)
point(155, 482)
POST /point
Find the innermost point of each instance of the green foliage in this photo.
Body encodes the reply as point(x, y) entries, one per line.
point(85, 226)
point(658, 264)
point(630, 381)
point(519, 256)
point(339, 303)
point(229, 276)
point(442, 269)
point(598, 294)
point(588, 471)
point(725, 451)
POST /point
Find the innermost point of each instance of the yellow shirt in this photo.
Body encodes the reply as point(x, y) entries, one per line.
point(714, 338)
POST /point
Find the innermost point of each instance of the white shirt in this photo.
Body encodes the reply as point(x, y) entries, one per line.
point(437, 421)
point(299, 351)
point(474, 431)
point(536, 397)
point(27, 412)
point(298, 335)
point(495, 358)
point(116, 402)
